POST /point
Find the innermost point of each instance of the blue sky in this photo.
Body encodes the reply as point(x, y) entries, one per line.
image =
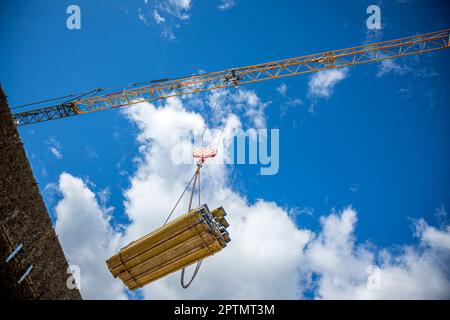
point(379, 143)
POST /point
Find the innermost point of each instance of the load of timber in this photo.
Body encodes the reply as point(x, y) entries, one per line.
point(180, 243)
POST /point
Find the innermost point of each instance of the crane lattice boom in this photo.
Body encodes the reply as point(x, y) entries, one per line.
point(162, 89)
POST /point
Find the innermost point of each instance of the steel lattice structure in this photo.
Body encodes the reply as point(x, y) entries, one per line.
point(162, 89)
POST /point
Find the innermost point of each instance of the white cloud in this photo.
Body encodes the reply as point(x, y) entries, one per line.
point(142, 17)
point(265, 241)
point(294, 102)
point(87, 238)
point(282, 89)
point(322, 83)
point(50, 194)
point(178, 9)
point(425, 72)
point(181, 4)
point(268, 257)
point(56, 152)
point(254, 107)
point(373, 35)
point(157, 17)
point(433, 237)
point(389, 65)
point(169, 15)
point(288, 104)
point(441, 215)
point(168, 34)
point(343, 267)
point(241, 101)
point(296, 211)
point(54, 146)
point(227, 4)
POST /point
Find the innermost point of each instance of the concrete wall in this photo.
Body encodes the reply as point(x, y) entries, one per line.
point(24, 220)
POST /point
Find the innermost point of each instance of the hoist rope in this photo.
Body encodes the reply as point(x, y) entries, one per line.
point(179, 199)
point(197, 268)
point(199, 188)
point(199, 263)
point(206, 127)
point(73, 96)
point(42, 101)
point(220, 137)
point(90, 93)
point(193, 181)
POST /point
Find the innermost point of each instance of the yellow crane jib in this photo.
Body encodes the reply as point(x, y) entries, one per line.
point(165, 88)
point(188, 239)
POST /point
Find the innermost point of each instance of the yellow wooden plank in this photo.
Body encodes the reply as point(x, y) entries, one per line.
point(218, 212)
point(171, 256)
point(223, 222)
point(193, 258)
point(170, 248)
point(185, 262)
point(154, 238)
point(159, 249)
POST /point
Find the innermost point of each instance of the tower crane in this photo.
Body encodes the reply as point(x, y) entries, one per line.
point(99, 99)
point(200, 233)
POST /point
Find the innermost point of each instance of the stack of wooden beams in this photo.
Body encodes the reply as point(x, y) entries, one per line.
point(180, 243)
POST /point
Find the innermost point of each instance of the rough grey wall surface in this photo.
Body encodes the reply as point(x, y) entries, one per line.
point(24, 220)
